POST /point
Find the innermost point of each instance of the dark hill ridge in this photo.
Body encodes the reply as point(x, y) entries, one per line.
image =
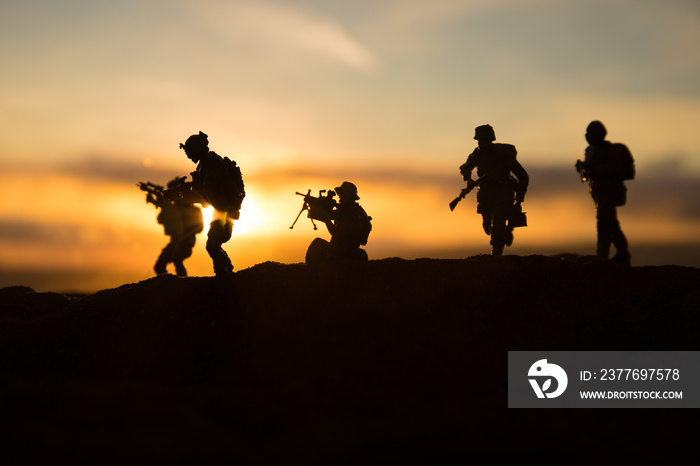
point(329, 365)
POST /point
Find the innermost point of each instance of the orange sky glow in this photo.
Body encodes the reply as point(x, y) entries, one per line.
point(107, 228)
point(307, 94)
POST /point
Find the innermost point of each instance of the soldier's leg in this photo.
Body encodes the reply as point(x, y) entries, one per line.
point(509, 236)
point(182, 252)
point(498, 231)
point(620, 241)
point(486, 217)
point(605, 225)
point(166, 256)
point(219, 232)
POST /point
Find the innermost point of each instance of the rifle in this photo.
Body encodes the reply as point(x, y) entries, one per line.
point(319, 207)
point(159, 196)
point(178, 189)
point(581, 169)
point(155, 194)
point(471, 184)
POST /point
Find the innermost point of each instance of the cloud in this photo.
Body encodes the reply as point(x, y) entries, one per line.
point(69, 234)
point(652, 193)
point(663, 187)
point(283, 29)
point(121, 171)
point(419, 12)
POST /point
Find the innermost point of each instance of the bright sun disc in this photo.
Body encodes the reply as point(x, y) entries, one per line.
point(252, 217)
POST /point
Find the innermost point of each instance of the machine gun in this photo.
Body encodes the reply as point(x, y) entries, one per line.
point(319, 207)
point(471, 184)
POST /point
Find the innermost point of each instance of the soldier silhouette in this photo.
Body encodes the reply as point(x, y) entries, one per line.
point(181, 220)
point(218, 182)
point(349, 226)
point(606, 166)
point(500, 194)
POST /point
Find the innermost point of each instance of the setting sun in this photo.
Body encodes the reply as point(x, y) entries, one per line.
point(388, 104)
point(253, 217)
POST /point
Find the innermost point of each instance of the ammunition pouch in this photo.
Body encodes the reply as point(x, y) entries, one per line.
point(517, 217)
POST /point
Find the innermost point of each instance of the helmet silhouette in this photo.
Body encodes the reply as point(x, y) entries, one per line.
point(595, 132)
point(347, 190)
point(484, 132)
point(196, 142)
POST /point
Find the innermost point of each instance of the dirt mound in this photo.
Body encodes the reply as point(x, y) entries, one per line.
point(386, 360)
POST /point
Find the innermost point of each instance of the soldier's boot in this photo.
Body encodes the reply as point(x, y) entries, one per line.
point(161, 264)
point(498, 241)
point(180, 269)
point(219, 233)
point(509, 236)
point(222, 263)
point(498, 232)
point(622, 257)
point(497, 247)
point(620, 241)
point(165, 257)
point(606, 224)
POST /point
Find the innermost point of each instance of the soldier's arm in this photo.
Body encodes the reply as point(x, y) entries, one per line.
point(467, 167)
point(523, 180)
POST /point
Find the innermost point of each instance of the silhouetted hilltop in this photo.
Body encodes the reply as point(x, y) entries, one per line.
point(386, 360)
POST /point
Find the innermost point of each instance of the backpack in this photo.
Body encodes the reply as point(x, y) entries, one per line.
point(223, 185)
point(628, 170)
point(366, 227)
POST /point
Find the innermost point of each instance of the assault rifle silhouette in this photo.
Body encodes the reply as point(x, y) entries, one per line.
point(178, 190)
point(471, 184)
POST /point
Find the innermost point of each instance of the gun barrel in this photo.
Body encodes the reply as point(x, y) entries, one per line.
point(470, 186)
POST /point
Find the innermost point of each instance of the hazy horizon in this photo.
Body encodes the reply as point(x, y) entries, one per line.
point(305, 94)
point(410, 213)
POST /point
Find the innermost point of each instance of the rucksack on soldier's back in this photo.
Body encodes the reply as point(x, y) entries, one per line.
point(366, 227)
point(628, 169)
point(224, 185)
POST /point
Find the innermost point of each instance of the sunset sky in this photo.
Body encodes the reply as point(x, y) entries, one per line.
point(97, 95)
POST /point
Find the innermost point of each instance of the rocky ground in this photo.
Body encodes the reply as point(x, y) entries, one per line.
point(388, 361)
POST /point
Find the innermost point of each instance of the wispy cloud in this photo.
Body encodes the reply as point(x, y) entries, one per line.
point(419, 12)
point(284, 29)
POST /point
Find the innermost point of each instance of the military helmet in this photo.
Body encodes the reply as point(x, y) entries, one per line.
point(196, 142)
point(595, 133)
point(596, 128)
point(484, 132)
point(348, 190)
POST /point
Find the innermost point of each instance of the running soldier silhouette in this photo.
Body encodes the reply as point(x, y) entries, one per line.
point(218, 182)
point(500, 193)
point(606, 166)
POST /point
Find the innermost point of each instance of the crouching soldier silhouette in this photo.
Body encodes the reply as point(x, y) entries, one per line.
point(181, 220)
point(218, 182)
point(606, 166)
point(347, 222)
point(500, 193)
